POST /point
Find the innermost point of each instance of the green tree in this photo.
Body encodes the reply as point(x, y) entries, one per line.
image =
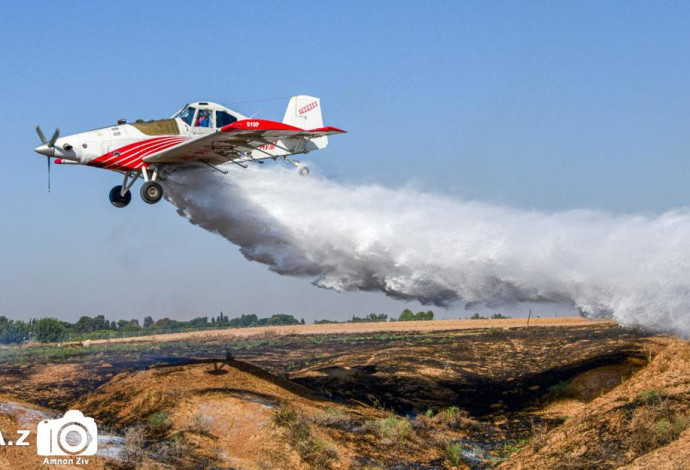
point(148, 322)
point(48, 330)
point(406, 315)
point(12, 331)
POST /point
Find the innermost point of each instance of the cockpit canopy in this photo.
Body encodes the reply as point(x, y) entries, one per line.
point(205, 114)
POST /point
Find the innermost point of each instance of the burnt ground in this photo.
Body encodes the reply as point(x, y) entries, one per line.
point(482, 371)
point(501, 377)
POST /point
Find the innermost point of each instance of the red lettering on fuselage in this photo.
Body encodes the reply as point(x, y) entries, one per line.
point(268, 146)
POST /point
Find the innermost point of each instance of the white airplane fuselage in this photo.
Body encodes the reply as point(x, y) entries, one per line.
point(122, 147)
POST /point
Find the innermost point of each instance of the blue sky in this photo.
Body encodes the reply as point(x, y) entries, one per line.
point(538, 105)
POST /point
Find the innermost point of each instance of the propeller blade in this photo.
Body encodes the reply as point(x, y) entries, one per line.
point(52, 140)
point(48, 158)
point(40, 134)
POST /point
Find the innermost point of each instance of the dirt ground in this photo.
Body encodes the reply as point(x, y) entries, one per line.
point(413, 395)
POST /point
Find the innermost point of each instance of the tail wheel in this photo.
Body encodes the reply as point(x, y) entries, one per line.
point(117, 199)
point(151, 192)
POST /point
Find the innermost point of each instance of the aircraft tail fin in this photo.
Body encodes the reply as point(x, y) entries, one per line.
point(305, 112)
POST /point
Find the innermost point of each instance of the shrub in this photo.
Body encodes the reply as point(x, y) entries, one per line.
point(454, 418)
point(391, 430)
point(655, 425)
point(650, 397)
point(313, 450)
point(334, 418)
point(454, 453)
point(286, 416)
point(159, 422)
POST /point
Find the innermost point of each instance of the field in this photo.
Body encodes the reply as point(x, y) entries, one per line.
point(404, 395)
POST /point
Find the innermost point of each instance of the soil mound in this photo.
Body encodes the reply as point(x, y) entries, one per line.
point(642, 423)
point(230, 414)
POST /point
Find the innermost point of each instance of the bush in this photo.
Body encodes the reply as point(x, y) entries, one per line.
point(334, 418)
point(286, 416)
point(454, 418)
point(454, 453)
point(391, 430)
point(159, 422)
point(654, 424)
point(313, 450)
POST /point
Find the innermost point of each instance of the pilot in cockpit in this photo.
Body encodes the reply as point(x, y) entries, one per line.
point(203, 119)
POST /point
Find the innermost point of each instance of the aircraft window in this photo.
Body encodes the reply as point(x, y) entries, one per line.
point(223, 118)
point(187, 115)
point(203, 119)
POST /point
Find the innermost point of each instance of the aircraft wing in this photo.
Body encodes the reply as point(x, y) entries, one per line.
point(245, 140)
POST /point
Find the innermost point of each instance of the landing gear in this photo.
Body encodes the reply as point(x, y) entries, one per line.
point(151, 192)
point(118, 199)
point(303, 170)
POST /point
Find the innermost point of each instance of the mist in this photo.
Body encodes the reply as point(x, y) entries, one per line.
point(440, 250)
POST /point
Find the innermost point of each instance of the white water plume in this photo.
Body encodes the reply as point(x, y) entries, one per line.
point(440, 250)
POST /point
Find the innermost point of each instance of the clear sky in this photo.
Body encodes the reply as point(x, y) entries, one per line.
point(544, 105)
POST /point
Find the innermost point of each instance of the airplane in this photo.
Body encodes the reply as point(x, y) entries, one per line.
point(200, 132)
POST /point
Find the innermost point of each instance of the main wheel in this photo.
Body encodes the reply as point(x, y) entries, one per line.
point(117, 199)
point(303, 170)
point(151, 192)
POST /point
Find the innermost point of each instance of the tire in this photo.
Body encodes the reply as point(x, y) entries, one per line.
point(118, 200)
point(151, 192)
point(303, 170)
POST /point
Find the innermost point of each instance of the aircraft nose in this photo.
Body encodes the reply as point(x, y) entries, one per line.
point(44, 150)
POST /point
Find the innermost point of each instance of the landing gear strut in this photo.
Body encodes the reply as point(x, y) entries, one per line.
point(151, 192)
point(118, 199)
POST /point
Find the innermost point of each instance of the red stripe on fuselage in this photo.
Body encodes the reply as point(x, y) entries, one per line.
point(131, 155)
point(136, 157)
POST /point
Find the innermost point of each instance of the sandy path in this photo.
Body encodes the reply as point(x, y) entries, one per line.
point(328, 329)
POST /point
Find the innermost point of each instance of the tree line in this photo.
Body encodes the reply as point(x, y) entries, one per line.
point(406, 315)
point(52, 330)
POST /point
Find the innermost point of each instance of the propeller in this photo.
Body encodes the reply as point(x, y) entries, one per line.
point(49, 144)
